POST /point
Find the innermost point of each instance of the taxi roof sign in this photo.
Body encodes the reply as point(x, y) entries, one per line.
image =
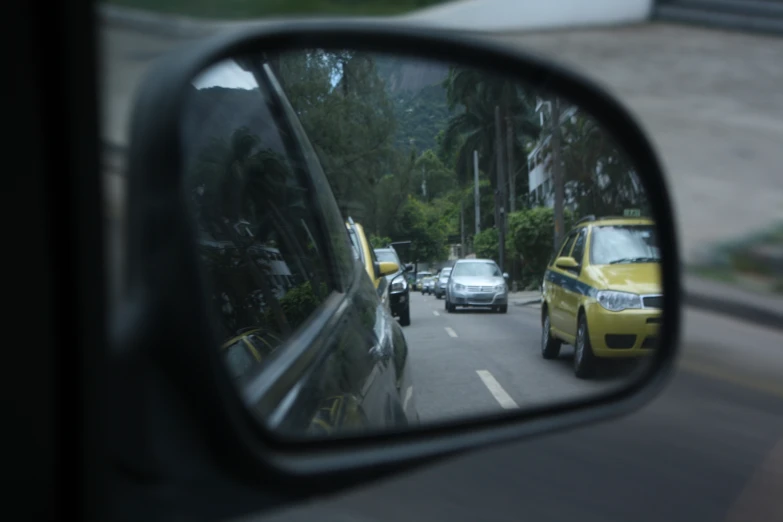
point(632, 212)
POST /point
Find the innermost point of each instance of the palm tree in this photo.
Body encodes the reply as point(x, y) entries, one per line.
point(473, 128)
point(599, 178)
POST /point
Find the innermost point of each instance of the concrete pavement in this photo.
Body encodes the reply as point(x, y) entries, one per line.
point(707, 449)
point(711, 103)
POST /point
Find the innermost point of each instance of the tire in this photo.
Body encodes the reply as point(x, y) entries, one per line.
point(405, 316)
point(503, 309)
point(550, 347)
point(447, 305)
point(584, 359)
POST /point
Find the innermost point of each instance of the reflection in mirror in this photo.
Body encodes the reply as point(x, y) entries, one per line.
point(499, 253)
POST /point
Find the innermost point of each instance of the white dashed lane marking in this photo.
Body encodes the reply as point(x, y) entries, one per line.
point(435, 312)
point(497, 391)
point(451, 332)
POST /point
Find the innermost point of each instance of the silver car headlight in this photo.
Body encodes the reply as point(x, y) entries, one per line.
point(618, 301)
point(458, 286)
point(500, 288)
point(399, 285)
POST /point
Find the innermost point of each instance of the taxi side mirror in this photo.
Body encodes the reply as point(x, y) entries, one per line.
point(566, 262)
point(388, 267)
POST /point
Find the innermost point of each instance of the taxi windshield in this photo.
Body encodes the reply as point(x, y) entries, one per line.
point(611, 245)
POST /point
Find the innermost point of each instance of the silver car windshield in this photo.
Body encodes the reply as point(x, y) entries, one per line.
point(476, 270)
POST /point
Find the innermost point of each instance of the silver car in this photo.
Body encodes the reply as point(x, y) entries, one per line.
point(428, 285)
point(477, 283)
point(443, 280)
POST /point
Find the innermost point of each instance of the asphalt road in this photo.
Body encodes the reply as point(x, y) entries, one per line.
point(707, 449)
point(474, 362)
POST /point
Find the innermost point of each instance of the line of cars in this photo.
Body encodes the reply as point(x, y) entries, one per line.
point(469, 283)
point(601, 291)
point(386, 271)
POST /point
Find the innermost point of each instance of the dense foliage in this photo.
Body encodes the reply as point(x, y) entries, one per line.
point(397, 140)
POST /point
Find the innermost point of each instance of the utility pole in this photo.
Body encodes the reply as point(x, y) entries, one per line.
point(512, 189)
point(462, 227)
point(476, 199)
point(557, 174)
point(501, 193)
point(423, 183)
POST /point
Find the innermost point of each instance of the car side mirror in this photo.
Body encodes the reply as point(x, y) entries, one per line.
point(566, 263)
point(214, 122)
point(505, 275)
point(387, 268)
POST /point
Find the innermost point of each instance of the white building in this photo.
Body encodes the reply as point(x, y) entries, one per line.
point(539, 160)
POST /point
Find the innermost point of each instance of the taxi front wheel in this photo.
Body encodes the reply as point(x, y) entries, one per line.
point(550, 347)
point(584, 359)
point(405, 316)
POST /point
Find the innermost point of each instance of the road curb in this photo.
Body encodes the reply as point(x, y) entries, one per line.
point(742, 310)
point(528, 302)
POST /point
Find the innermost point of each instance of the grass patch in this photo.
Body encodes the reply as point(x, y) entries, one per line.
point(242, 9)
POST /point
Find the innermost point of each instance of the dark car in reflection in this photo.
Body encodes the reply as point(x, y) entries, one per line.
point(399, 288)
point(289, 297)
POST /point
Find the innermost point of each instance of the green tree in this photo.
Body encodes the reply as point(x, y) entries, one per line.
point(422, 225)
point(346, 112)
point(486, 244)
point(379, 241)
point(599, 178)
point(532, 235)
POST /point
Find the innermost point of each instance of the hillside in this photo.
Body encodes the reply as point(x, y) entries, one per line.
point(419, 99)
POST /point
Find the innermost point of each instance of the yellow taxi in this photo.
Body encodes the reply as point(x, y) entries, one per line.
point(375, 269)
point(602, 292)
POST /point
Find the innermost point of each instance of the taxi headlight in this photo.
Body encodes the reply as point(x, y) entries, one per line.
point(618, 301)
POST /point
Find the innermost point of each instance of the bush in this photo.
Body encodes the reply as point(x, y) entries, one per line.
point(486, 244)
point(531, 236)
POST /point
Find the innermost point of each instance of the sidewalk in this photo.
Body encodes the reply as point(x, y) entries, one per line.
point(526, 298)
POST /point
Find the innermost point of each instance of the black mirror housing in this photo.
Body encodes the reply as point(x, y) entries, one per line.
point(172, 313)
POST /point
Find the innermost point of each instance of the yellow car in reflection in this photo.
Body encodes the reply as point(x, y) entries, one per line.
point(377, 270)
point(245, 352)
point(602, 292)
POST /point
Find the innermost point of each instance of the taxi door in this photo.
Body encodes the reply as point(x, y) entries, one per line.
point(558, 279)
point(573, 291)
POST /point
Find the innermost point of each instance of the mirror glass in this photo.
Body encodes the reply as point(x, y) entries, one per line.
point(528, 268)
